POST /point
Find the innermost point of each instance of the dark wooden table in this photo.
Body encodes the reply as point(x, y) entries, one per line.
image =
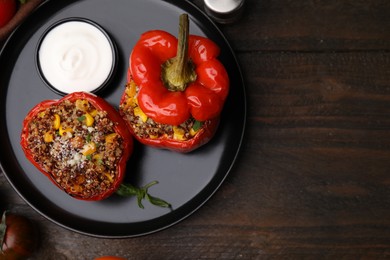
point(312, 180)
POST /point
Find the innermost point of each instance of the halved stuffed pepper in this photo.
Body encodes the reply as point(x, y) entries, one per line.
point(80, 143)
point(176, 89)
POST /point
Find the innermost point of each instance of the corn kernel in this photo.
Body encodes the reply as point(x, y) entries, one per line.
point(193, 132)
point(89, 119)
point(178, 133)
point(138, 112)
point(82, 104)
point(76, 188)
point(93, 112)
point(41, 114)
point(110, 137)
point(62, 131)
point(48, 137)
point(109, 177)
point(131, 89)
point(97, 157)
point(89, 149)
point(131, 102)
point(57, 122)
point(131, 92)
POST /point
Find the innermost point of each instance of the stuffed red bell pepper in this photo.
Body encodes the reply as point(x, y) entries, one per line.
point(80, 143)
point(176, 89)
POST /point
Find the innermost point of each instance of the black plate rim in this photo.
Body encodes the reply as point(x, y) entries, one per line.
point(214, 185)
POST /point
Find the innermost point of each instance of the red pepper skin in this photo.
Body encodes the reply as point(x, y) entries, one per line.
point(120, 128)
point(202, 99)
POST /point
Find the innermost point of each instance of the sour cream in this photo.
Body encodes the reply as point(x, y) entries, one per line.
point(224, 11)
point(76, 55)
point(223, 6)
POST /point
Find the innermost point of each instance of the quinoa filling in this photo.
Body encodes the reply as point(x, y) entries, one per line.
point(77, 144)
point(145, 127)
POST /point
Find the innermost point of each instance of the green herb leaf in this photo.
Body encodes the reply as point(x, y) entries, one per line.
point(81, 118)
point(197, 125)
point(128, 190)
point(150, 184)
point(88, 138)
point(157, 201)
point(140, 196)
point(89, 157)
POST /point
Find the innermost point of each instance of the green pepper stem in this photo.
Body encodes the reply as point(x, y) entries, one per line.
point(179, 71)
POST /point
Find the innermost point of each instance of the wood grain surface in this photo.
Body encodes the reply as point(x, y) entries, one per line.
point(312, 180)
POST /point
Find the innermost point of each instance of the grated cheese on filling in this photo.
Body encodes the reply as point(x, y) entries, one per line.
point(69, 141)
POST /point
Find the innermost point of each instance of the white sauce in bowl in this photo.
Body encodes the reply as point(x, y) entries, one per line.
point(223, 6)
point(76, 56)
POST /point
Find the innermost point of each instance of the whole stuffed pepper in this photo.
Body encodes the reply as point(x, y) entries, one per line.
point(80, 143)
point(176, 89)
